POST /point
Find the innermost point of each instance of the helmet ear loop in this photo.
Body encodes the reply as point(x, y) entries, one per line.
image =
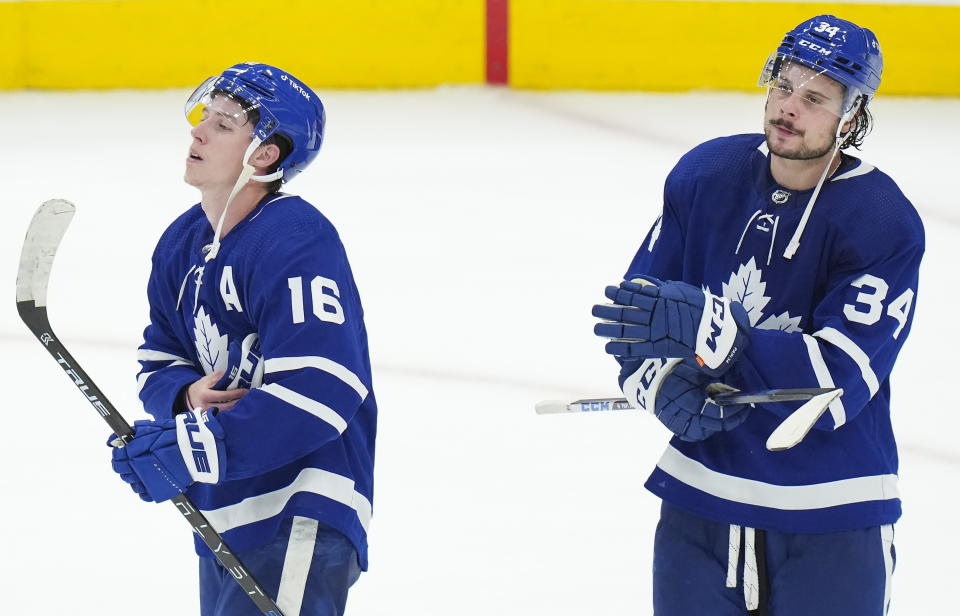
point(848, 117)
point(276, 175)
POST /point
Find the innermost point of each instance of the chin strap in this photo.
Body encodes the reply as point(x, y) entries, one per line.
point(246, 174)
point(794, 243)
point(795, 240)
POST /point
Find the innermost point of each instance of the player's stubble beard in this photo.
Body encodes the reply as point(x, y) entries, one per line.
point(805, 152)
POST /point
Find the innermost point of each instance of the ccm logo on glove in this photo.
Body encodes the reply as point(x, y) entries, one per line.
point(643, 384)
point(716, 338)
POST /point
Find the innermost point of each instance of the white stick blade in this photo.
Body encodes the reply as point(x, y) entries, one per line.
point(799, 423)
point(46, 229)
point(546, 407)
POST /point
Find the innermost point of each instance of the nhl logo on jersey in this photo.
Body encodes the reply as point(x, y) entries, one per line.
point(780, 196)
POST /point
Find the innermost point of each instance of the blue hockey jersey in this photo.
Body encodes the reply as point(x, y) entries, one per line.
point(302, 444)
point(834, 315)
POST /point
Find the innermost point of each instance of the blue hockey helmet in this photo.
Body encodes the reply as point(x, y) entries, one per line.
point(834, 47)
point(280, 104)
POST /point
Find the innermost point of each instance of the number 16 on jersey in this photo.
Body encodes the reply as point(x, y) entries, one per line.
point(325, 296)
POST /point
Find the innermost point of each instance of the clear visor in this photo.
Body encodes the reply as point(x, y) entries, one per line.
point(230, 103)
point(816, 90)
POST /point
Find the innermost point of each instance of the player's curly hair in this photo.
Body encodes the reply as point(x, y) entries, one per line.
point(862, 125)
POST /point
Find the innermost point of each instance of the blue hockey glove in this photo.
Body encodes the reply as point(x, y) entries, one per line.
point(650, 319)
point(244, 365)
point(676, 391)
point(165, 457)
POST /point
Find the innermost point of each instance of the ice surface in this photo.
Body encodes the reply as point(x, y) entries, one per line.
point(482, 224)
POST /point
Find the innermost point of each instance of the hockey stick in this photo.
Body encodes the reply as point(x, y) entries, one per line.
point(787, 434)
point(46, 230)
point(799, 422)
point(723, 399)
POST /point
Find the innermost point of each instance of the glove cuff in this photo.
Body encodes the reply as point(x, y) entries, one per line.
point(244, 365)
point(642, 386)
point(199, 437)
point(723, 334)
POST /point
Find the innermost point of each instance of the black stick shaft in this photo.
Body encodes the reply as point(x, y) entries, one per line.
point(36, 319)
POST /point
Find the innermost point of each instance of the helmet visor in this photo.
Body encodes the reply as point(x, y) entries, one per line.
point(232, 104)
point(814, 87)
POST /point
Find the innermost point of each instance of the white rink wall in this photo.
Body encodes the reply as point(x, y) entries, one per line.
point(482, 224)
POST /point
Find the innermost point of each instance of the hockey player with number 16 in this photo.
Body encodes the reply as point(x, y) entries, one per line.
point(255, 363)
point(778, 261)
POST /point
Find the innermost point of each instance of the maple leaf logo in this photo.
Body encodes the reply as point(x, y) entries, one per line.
point(211, 346)
point(783, 322)
point(746, 286)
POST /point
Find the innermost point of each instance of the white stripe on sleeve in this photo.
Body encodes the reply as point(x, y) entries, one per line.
point(837, 411)
point(283, 364)
point(309, 405)
point(848, 346)
point(151, 355)
point(143, 376)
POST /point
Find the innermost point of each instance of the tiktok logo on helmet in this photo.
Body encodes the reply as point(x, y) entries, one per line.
point(296, 86)
point(281, 104)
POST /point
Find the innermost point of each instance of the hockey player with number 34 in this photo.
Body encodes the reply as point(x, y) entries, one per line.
point(779, 261)
point(255, 363)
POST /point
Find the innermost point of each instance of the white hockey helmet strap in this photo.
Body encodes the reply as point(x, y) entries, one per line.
point(794, 243)
point(246, 174)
